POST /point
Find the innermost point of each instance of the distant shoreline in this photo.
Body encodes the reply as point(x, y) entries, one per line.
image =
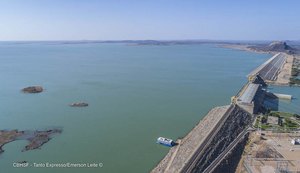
point(242, 47)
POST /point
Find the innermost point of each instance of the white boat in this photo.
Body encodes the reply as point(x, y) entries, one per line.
point(165, 141)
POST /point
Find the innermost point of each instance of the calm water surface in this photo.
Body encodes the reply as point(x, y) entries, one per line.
point(136, 93)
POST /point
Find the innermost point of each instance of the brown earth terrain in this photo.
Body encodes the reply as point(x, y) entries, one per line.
point(270, 152)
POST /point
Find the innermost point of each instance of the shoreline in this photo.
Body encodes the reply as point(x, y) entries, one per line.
point(243, 47)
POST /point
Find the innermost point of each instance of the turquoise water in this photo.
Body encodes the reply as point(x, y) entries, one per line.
point(288, 105)
point(135, 94)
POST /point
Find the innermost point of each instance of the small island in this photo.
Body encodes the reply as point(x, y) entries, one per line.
point(33, 89)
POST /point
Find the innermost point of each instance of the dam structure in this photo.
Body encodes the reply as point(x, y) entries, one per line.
point(269, 70)
point(223, 128)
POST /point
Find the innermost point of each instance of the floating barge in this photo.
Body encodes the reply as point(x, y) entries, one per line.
point(165, 141)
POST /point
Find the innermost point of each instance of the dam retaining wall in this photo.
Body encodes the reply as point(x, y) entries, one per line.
point(238, 120)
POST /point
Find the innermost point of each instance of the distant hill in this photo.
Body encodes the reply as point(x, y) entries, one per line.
point(279, 46)
point(276, 46)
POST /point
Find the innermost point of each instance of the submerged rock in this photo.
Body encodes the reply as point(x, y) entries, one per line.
point(33, 89)
point(79, 104)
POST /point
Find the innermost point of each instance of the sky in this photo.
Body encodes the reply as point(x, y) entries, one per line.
point(149, 19)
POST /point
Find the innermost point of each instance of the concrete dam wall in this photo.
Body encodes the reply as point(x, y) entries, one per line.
point(237, 121)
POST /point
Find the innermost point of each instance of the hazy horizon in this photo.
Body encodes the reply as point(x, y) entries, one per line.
point(159, 40)
point(54, 20)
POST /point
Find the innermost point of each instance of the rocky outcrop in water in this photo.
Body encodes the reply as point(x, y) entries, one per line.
point(35, 138)
point(8, 136)
point(39, 138)
point(33, 89)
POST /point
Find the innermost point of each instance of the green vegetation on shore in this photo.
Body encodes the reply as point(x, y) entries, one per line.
point(295, 72)
point(294, 80)
point(286, 121)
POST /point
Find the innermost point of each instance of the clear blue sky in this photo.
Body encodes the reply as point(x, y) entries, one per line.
point(149, 19)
